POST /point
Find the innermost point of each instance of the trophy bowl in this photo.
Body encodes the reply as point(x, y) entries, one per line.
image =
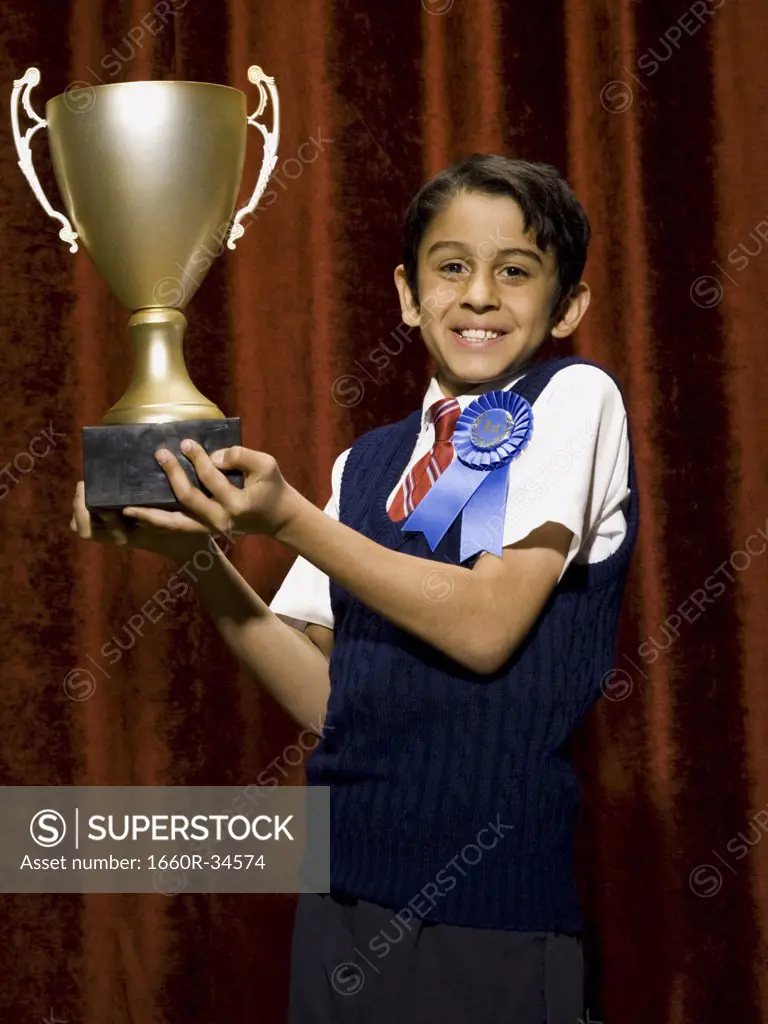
point(149, 174)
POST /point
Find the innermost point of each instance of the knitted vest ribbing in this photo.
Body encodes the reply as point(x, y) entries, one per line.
point(448, 786)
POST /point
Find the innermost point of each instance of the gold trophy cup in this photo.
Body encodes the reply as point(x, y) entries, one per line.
point(149, 173)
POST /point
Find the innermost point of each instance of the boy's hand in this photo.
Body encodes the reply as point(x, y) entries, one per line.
point(263, 506)
point(172, 534)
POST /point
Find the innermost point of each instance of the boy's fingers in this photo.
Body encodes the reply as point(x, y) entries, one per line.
point(81, 517)
point(208, 474)
point(163, 519)
point(79, 492)
point(119, 525)
point(238, 457)
point(193, 499)
point(86, 523)
point(146, 516)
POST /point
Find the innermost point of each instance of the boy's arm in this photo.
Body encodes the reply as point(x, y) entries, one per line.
point(291, 665)
point(289, 659)
point(303, 597)
point(476, 617)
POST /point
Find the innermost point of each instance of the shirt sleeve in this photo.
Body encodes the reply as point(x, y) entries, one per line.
point(304, 595)
point(574, 469)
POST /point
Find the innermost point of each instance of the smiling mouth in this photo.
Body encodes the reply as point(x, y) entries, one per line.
point(478, 340)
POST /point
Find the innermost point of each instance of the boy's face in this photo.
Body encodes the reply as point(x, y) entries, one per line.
point(479, 272)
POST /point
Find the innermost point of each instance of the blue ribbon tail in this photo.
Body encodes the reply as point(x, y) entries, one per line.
point(444, 501)
point(482, 525)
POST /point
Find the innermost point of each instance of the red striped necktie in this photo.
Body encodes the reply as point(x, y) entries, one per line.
point(445, 413)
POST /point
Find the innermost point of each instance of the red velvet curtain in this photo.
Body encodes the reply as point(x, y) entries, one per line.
point(656, 113)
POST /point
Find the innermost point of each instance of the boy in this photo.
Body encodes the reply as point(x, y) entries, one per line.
point(449, 687)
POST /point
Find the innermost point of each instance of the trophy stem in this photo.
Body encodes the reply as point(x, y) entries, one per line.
point(160, 390)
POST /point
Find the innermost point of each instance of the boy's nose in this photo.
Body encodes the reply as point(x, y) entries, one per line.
point(480, 294)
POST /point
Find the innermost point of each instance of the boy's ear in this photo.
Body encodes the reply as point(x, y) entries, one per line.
point(571, 310)
point(408, 308)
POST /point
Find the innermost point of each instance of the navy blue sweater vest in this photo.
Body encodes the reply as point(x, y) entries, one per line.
point(452, 794)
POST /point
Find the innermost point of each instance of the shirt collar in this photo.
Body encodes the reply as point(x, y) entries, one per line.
point(435, 393)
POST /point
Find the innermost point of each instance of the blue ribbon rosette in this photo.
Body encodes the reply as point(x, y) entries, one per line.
point(492, 430)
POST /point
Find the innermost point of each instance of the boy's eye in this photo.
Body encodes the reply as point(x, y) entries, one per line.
point(511, 273)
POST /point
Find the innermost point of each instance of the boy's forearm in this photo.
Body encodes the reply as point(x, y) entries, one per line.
point(285, 661)
point(436, 602)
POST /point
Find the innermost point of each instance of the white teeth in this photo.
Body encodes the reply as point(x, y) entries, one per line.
point(475, 335)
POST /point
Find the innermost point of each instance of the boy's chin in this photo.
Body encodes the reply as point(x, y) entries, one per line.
point(474, 370)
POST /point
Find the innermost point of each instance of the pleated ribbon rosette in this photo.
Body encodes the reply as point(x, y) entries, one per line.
point(492, 430)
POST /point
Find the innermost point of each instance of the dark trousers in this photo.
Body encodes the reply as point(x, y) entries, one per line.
point(354, 962)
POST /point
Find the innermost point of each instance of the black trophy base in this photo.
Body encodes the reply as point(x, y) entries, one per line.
point(119, 461)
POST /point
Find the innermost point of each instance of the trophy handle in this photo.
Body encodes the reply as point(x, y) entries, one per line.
point(257, 77)
point(27, 84)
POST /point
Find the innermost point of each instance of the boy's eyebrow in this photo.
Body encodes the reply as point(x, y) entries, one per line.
point(448, 244)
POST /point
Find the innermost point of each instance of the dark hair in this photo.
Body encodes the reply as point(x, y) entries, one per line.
point(549, 207)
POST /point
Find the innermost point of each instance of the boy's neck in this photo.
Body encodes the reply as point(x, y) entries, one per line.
point(453, 388)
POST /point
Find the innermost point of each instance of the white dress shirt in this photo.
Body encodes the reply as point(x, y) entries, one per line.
point(573, 471)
